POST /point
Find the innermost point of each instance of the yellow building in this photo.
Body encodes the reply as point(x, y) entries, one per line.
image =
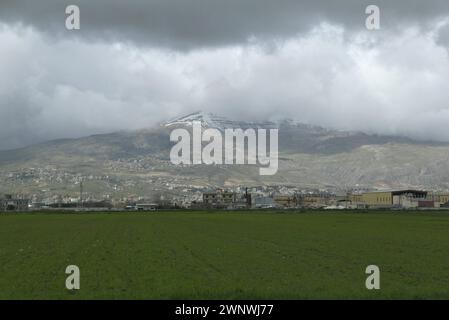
point(315, 199)
point(378, 198)
point(396, 198)
point(285, 201)
point(356, 198)
point(442, 198)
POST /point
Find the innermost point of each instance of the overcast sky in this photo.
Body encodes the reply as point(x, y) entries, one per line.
point(135, 63)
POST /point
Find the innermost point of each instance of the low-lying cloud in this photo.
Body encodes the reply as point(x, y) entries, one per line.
point(329, 74)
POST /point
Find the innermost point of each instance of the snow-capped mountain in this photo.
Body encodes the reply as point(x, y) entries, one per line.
point(137, 162)
point(210, 120)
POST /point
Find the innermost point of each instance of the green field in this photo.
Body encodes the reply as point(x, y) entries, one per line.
point(238, 255)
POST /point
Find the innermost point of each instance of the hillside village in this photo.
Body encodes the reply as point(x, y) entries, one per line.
point(318, 168)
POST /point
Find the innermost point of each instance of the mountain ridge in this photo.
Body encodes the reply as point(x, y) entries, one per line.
point(137, 161)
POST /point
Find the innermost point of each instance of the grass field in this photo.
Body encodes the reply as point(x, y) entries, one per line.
point(194, 255)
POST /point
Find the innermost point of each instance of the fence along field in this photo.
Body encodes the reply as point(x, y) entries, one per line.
point(239, 255)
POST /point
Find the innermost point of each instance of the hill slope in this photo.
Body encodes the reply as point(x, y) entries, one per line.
point(137, 162)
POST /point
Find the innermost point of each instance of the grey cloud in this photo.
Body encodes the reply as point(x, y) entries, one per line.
point(188, 24)
point(443, 35)
point(69, 89)
point(312, 61)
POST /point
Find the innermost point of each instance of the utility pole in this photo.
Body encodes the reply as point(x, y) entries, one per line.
point(81, 193)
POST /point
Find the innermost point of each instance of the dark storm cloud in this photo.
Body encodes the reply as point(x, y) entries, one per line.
point(182, 24)
point(134, 63)
point(443, 35)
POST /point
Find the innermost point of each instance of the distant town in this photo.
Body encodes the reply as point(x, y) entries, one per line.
point(240, 197)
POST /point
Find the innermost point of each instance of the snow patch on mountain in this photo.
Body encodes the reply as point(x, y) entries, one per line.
point(210, 120)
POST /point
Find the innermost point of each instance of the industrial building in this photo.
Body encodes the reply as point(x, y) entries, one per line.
point(146, 206)
point(226, 200)
point(319, 199)
point(378, 199)
point(285, 201)
point(263, 202)
point(9, 203)
point(219, 198)
point(392, 199)
point(442, 199)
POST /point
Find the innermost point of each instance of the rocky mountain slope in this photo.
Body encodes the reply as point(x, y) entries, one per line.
point(137, 162)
